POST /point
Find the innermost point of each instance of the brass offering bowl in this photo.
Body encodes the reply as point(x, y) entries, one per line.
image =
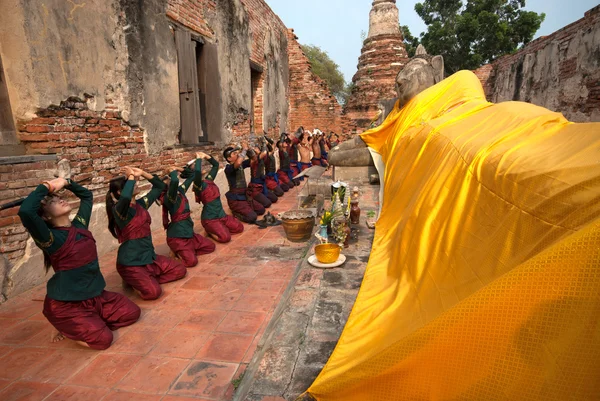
point(327, 253)
point(298, 225)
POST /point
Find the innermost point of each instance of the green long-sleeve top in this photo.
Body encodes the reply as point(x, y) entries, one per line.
point(184, 228)
point(77, 284)
point(214, 208)
point(136, 252)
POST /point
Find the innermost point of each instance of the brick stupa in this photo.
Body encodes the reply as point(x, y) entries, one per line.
point(383, 55)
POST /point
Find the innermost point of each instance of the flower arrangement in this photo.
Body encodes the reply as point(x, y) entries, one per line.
point(339, 231)
point(328, 217)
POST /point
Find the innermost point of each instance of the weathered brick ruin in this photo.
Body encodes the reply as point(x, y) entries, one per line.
point(560, 71)
point(146, 85)
point(311, 103)
point(382, 57)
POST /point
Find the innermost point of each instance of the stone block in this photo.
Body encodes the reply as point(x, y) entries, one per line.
point(342, 279)
point(303, 300)
point(354, 174)
point(304, 376)
point(275, 370)
point(290, 330)
point(316, 353)
point(310, 278)
point(329, 314)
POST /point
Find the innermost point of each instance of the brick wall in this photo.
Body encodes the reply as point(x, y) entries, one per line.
point(241, 126)
point(265, 38)
point(97, 144)
point(310, 100)
point(262, 20)
point(257, 101)
point(485, 73)
point(13, 235)
point(560, 71)
point(311, 103)
point(192, 14)
point(267, 30)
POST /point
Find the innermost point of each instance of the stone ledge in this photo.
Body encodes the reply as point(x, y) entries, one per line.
point(27, 159)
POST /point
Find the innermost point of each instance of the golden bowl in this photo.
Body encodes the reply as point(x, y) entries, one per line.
point(327, 253)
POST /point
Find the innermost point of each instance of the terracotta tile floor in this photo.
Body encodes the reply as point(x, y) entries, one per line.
point(189, 344)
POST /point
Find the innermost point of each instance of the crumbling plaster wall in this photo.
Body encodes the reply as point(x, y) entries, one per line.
point(152, 73)
point(560, 72)
point(122, 51)
point(231, 31)
point(276, 105)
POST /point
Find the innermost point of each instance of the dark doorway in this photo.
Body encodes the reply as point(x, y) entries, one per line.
point(202, 78)
point(256, 104)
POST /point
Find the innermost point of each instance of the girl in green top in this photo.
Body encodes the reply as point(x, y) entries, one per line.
point(217, 224)
point(181, 238)
point(129, 222)
point(76, 303)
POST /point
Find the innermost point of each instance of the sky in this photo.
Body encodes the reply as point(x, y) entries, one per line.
point(336, 25)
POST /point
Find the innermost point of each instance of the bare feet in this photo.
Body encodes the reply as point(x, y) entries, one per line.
point(56, 336)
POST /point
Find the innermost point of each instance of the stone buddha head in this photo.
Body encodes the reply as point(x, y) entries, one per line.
point(421, 72)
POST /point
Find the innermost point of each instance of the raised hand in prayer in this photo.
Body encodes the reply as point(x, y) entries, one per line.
point(128, 172)
point(138, 172)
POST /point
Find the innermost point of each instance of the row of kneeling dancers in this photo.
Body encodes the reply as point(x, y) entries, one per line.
point(76, 303)
point(267, 182)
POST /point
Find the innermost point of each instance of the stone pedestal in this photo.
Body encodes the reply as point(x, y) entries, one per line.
point(355, 174)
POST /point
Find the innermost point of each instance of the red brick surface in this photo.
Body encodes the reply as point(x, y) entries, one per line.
point(311, 103)
point(193, 14)
point(96, 143)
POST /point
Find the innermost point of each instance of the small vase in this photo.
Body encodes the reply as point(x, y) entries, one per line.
point(324, 231)
point(355, 212)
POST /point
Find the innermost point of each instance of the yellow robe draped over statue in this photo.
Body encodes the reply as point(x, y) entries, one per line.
point(484, 277)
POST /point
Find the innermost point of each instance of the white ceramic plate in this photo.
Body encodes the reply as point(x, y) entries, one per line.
point(313, 261)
